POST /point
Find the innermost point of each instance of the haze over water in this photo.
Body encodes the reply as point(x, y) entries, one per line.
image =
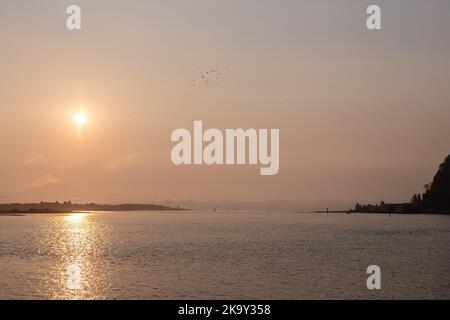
point(203, 255)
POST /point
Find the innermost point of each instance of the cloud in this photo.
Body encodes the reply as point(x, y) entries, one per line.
point(44, 181)
point(124, 162)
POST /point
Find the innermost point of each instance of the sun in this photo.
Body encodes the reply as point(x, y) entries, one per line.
point(80, 118)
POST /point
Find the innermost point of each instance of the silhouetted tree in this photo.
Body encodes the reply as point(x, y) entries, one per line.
point(437, 195)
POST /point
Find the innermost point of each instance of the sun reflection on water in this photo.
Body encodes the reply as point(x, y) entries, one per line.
point(77, 233)
point(76, 243)
point(76, 217)
point(74, 277)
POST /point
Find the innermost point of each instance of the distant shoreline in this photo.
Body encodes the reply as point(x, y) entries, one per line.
point(31, 211)
point(68, 207)
point(385, 213)
point(20, 213)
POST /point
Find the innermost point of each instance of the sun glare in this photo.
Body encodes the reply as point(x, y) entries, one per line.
point(80, 118)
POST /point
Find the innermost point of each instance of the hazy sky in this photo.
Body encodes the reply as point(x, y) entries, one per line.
point(363, 115)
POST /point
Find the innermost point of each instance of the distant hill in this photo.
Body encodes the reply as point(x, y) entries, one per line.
point(67, 206)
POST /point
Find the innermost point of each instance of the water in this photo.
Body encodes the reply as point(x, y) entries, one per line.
point(222, 255)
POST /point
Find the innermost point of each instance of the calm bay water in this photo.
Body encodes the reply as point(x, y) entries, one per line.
point(222, 255)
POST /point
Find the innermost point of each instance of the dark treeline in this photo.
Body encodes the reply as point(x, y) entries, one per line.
point(69, 207)
point(435, 199)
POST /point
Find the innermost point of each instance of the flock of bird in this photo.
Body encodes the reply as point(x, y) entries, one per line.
point(202, 80)
point(206, 79)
